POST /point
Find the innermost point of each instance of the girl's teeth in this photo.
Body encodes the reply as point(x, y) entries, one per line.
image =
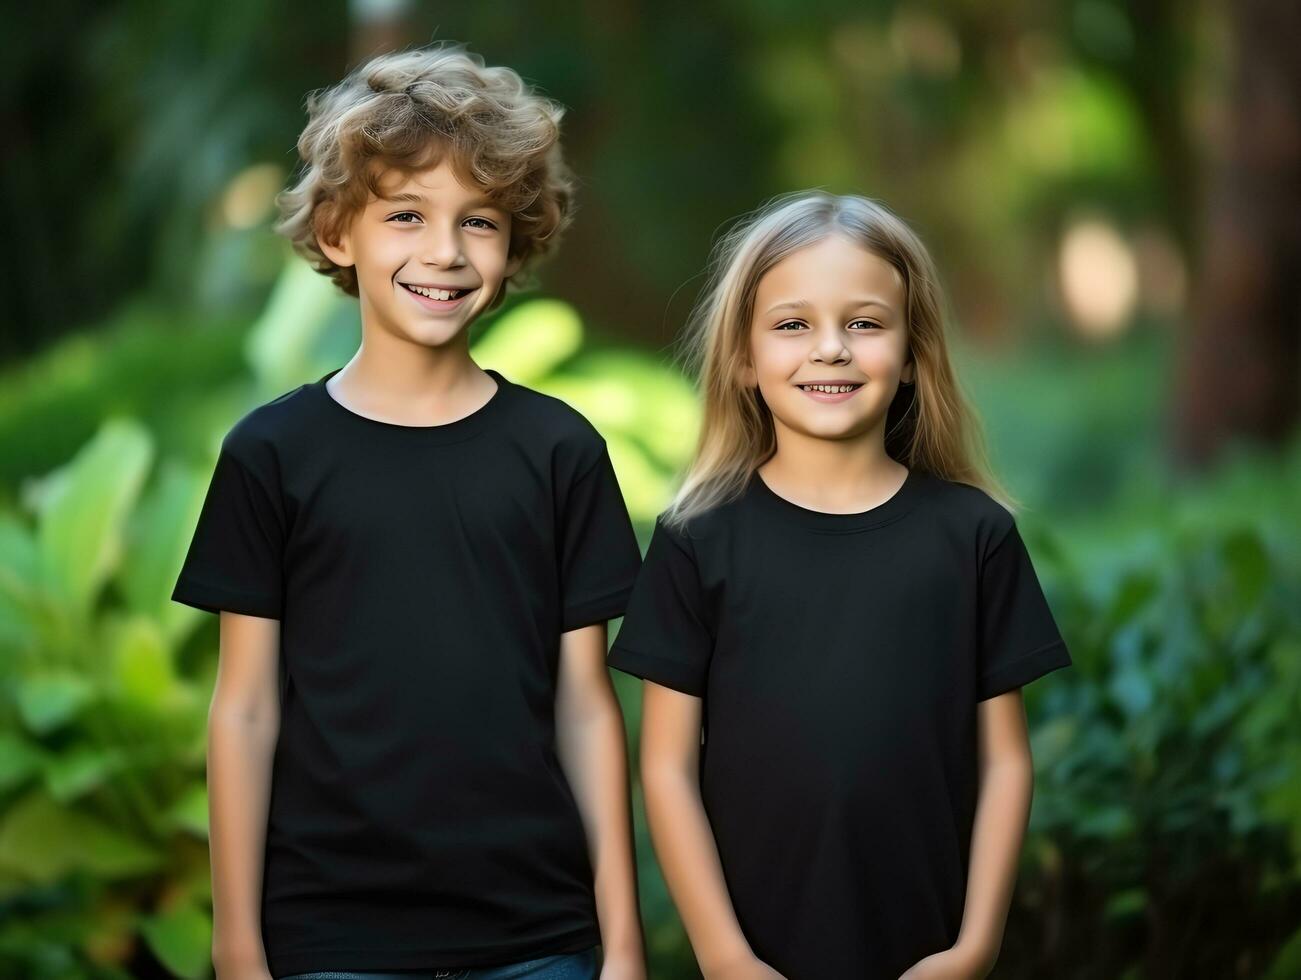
point(829, 389)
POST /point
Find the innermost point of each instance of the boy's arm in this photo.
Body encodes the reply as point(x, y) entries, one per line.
point(243, 725)
point(593, 753)
point(1002, 813)
point(684, 841)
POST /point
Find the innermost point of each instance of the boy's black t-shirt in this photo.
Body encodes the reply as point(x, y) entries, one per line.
point(422, 575)
point(840, 659)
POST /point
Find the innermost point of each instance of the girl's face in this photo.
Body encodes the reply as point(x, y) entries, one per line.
point(830, 314)
point(431, 232)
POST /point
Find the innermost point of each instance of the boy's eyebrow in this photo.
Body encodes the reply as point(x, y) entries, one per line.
point(408, 197)
point(857, 304)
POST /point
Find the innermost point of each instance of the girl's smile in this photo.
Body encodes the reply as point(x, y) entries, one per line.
point(829, 391)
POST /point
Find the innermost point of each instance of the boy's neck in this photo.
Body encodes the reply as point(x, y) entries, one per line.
point(411, 384)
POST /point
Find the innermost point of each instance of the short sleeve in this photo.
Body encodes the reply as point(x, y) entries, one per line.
point(599, 556)
point(1019, 639)
point(235, 557)
point(666, 636)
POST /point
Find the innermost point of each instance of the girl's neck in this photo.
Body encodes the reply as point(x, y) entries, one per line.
point(842, 476)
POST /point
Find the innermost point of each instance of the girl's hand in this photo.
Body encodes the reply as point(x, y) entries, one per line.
point(620, 967)
point(948, 964)
point(750, 968)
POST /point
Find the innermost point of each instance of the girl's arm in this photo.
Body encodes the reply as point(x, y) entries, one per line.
point(1002, 813)
point(243, 725)
point(684, 841)
point(594, 755)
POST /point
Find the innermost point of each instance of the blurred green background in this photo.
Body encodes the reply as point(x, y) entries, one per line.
point(1110, 190)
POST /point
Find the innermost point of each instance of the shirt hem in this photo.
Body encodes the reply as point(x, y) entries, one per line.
point(384, 957)
point(214, 599)
point(661, 670)
point(1025, 669)
point(600, 610)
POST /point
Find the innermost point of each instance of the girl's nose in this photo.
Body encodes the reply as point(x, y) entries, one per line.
point(830, 345)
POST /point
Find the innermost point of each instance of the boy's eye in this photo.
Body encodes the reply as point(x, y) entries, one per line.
point(482, 222)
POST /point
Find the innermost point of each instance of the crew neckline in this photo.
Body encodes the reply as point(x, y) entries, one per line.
point(900, 503)
point(454, 431)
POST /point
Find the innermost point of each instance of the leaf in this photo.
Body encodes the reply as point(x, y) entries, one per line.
point(531, 340)
point(181, 938)
point(1287, 964)
point(19, 760)
point(50, 699)
point(142, 672)
point(159, 535)
point(74, 772)
point(84, 510)
point(43, 841)
point(190, 812)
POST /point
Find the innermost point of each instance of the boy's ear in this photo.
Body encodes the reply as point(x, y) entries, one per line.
point(513, 266)
point(340, 252)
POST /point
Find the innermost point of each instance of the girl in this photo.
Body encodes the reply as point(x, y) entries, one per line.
point(834, 618)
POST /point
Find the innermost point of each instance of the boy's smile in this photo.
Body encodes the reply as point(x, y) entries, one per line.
point(430, 253)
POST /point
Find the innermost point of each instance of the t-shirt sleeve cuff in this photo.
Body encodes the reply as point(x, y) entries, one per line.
point(1024, 670)
point(669, 673)
point(592, 611)
point(215, 598)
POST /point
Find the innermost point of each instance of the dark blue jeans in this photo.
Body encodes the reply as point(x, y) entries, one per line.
point(560, 966)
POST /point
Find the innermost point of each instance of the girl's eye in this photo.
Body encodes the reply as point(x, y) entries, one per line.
point(788, 323)
point(870, 323)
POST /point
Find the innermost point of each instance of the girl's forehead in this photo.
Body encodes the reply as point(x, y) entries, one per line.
point(831, 266)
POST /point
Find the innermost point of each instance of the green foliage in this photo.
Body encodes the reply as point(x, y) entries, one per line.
point(103, 827)
point(1167, 808)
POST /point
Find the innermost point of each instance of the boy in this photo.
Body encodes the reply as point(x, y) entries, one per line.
point(416, 760)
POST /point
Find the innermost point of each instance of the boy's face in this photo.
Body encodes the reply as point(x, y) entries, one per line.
point(431, 232)
point(830, 312)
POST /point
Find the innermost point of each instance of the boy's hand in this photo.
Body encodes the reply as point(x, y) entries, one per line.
point(243, 963)
point(948, 964)
point(251, 971)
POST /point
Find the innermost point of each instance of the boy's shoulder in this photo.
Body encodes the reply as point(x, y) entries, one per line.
point(547, 421)
point(265, 427)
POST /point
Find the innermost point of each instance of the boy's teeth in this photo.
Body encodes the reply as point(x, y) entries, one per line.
point(441, 294)
point(829, 389)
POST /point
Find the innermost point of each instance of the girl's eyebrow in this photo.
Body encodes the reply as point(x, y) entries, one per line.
point(857, 304)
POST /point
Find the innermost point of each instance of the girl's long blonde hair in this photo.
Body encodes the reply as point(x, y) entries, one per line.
point(929, 427)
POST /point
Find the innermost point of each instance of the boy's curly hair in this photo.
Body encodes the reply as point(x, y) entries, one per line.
point(402, 111)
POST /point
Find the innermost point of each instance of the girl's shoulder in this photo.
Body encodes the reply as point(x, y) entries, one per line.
point(970, 508)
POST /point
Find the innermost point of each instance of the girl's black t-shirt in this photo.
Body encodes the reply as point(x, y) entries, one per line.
point(840, 659)
point(422, 575)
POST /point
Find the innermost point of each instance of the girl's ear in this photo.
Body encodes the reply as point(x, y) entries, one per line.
point(746, 376)
point(909, 373)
